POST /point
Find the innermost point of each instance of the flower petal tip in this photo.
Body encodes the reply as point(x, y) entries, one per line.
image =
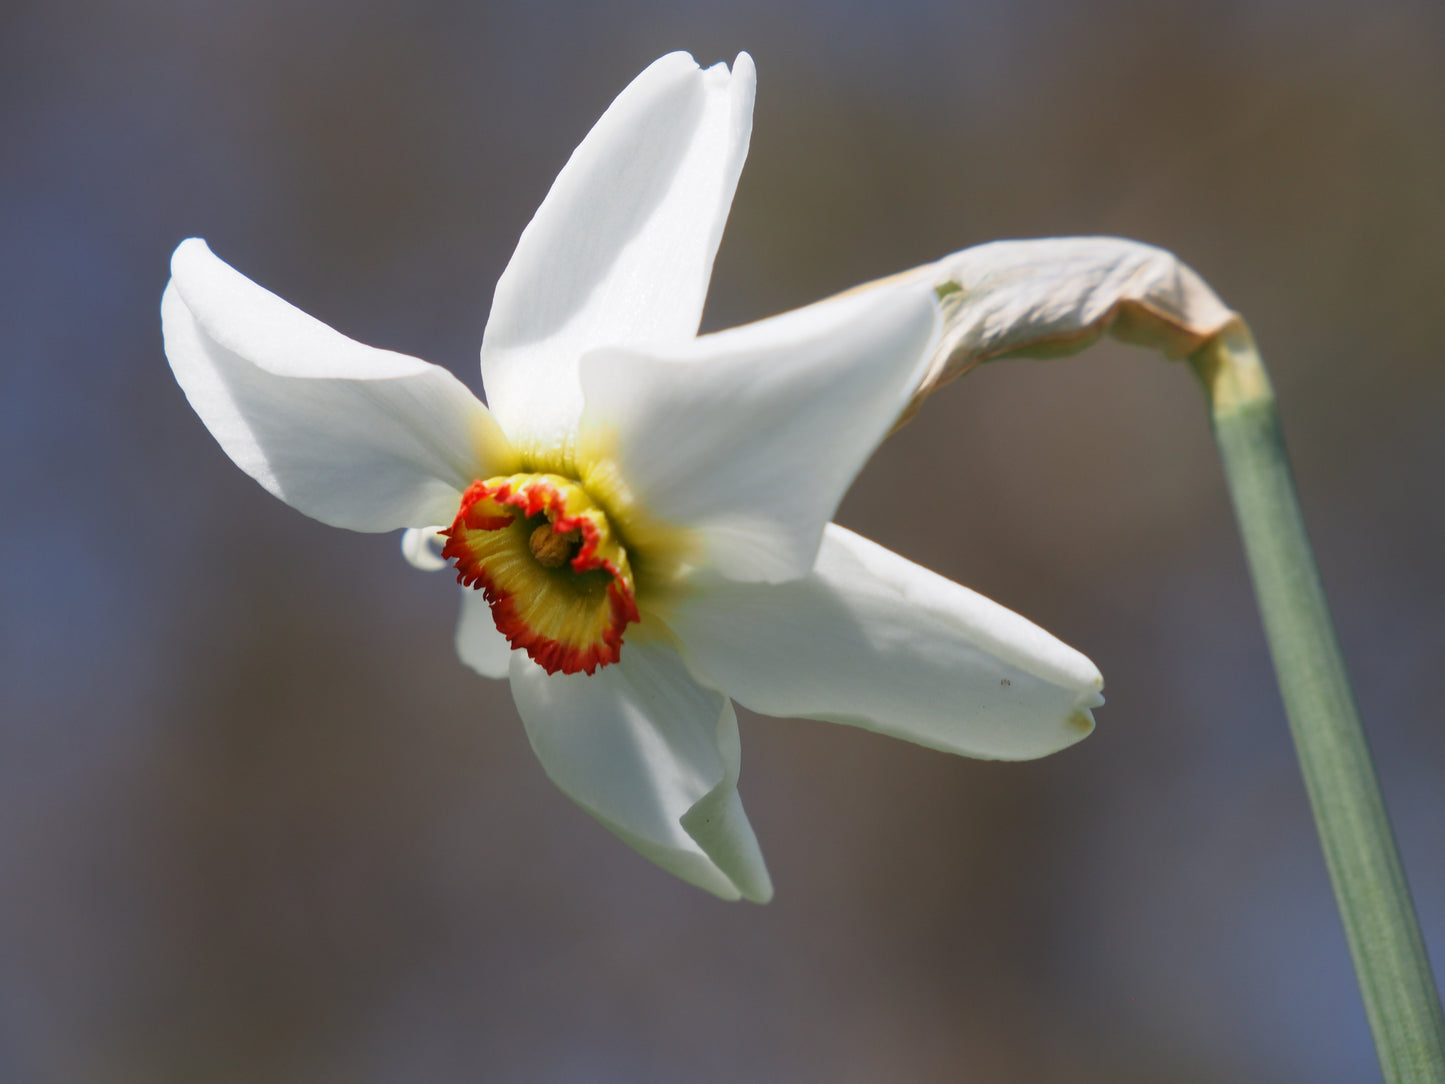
point(190, 255)
point(1081, 722)
point(760, 896)
point(422, 546)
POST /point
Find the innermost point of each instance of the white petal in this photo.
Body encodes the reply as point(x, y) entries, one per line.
point(873, 640)
point(751, 436)
point(654, 757)
point(621, 250)
point(479, 644)
point(351, 435)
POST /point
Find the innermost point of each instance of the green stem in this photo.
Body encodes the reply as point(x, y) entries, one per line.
point(1399, 991)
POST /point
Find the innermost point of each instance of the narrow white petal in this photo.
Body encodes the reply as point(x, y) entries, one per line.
point(654, 757)
point(479, 644)
point(751, 436)
point(873, 640)
point(351, 435)
point(621, 250)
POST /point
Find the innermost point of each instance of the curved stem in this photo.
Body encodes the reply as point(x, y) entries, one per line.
point(1399, 991)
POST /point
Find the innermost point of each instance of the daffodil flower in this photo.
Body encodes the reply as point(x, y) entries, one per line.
point(640, 515)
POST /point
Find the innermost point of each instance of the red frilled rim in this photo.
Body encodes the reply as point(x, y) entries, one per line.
point(569, 619)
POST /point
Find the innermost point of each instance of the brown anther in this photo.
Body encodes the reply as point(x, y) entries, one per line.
point(552, 550)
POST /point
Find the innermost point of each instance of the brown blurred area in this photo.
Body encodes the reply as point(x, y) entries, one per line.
point(257, 823)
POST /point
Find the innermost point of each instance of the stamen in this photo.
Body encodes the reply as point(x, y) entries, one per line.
point(552, 550)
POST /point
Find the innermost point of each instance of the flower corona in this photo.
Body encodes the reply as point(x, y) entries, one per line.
point(556, 576)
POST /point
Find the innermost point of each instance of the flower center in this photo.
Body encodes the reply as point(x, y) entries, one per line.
point(558, 580)
point(552, 550)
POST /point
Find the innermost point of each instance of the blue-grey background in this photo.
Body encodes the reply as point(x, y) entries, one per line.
point(256, 822)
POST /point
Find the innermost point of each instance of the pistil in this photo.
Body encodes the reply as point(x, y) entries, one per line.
point(551, 548)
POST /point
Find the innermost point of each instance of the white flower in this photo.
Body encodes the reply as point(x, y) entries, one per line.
point(645, 509)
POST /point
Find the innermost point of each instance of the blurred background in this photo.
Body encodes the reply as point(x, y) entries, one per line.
point(258, 824)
